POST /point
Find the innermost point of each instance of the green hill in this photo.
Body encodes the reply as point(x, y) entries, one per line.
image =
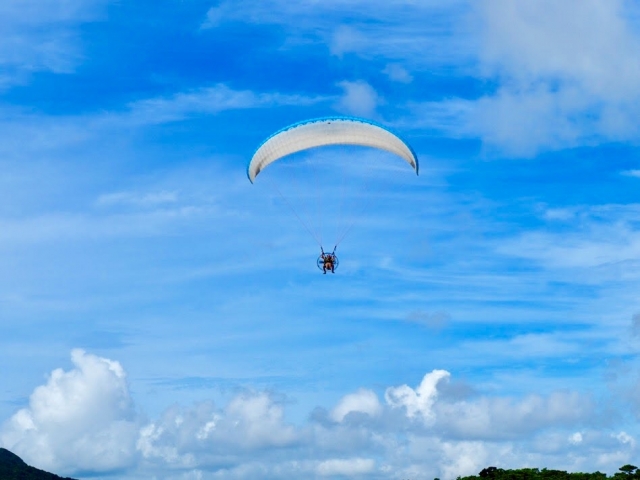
point(627, 472)
point(13, 468)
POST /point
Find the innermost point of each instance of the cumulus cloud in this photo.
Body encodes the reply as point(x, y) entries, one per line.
point(258, 421)
point(419, 401)
point(348, 468)
point(491, 418)
point(465, 458)
point(82, 419)
point(250, 422)
point(363, 401)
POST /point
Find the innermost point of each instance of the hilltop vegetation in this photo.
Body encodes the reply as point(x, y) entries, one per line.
point(626, 472)
point(12, 467)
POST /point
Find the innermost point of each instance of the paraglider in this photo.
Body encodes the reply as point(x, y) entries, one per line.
point(328, 261)
point(327, 131)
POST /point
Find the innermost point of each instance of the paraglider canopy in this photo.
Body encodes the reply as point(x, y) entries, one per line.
point(328, 131)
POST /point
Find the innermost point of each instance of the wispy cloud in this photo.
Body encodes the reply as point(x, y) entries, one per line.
point(414, 32)
point(602, 235)
point(44, 136)
point(131, 198)
point(208, 100)
point(43, 36)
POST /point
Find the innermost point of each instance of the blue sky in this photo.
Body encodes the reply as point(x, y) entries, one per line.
point(161, 317)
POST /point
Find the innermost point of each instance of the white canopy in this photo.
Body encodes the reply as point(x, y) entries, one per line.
point(328, 131)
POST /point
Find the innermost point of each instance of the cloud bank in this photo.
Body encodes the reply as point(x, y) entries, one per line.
point(83, 421)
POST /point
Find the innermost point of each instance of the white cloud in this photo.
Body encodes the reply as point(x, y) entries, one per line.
point(359, 99)
point(625, 438)
point(491, 418)
point(569, 74)
point(418, 401)
point(435, 320)
point(132, 198)
point(42, 35)
point(346, 39)
point(631, 173)
point(348, 468)
point(82, 419)
point(397, 73)
point(464, 458)
point(70, 226)
point(421, 33)
point(601, 235)
point(576, 438)
point(259, 421)
point(560, 214)
point(590, 43)
point(45, 137)
point(216, 15)
point(208, 100)
point(523, 121)
point(487, 418)
point(363, 401)
point(186, 438)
